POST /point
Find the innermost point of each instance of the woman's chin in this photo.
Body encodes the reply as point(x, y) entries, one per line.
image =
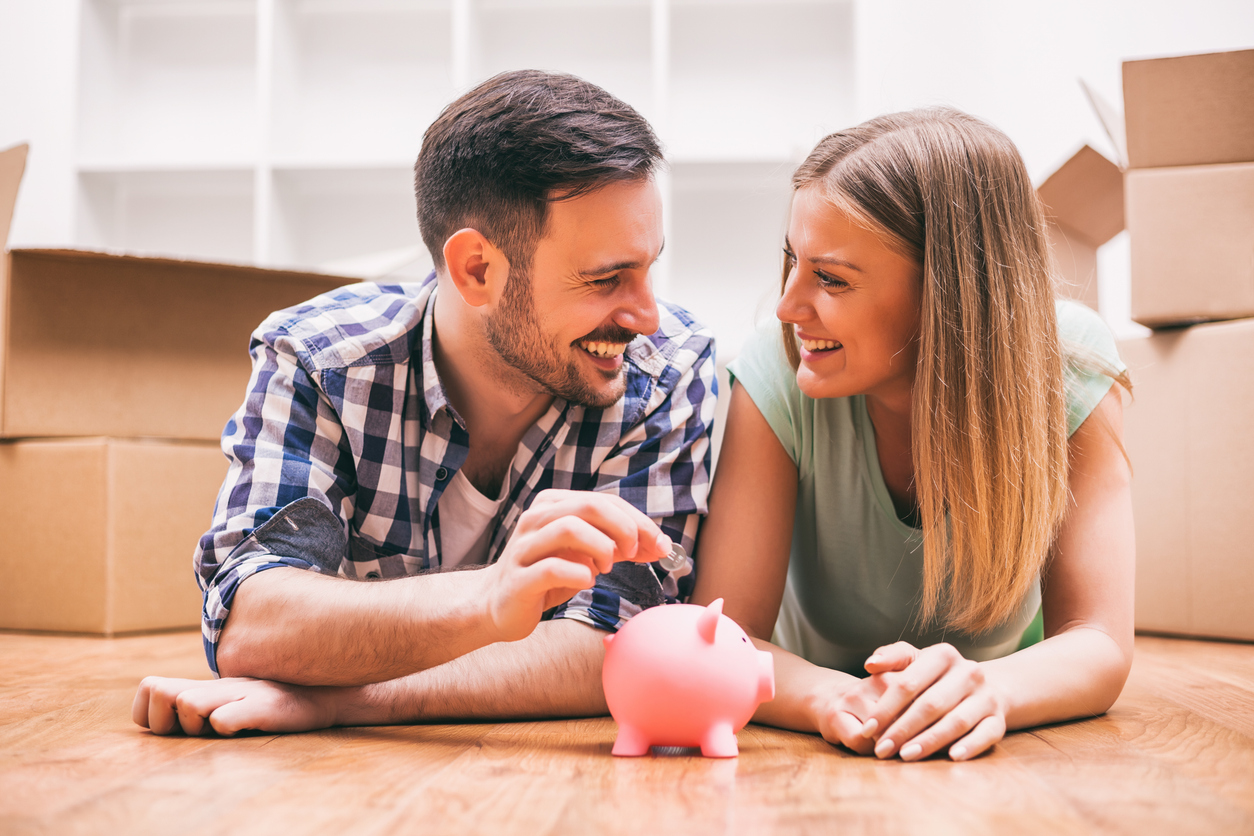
point(817, 386)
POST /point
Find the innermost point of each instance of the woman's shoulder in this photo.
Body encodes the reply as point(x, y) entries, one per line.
point(1091, 357)
point(1081, 328)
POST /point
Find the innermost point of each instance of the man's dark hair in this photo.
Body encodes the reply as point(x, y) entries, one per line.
point(496, 157)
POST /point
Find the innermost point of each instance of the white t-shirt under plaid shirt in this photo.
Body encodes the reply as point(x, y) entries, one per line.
point(346, 441)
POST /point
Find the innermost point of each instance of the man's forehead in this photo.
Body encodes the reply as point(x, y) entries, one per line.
point(618, 225)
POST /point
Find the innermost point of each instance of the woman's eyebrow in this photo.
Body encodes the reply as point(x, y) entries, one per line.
point(824, 259)
point(838, 262)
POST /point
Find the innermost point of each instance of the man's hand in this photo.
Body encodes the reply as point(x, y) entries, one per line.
point(562, 542)
point(228, 706)
point(927, 700)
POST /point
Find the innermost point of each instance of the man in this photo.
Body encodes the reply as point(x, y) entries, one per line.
point(530, 406)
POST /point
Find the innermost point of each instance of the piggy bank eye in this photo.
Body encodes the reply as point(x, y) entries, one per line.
point(744, 639)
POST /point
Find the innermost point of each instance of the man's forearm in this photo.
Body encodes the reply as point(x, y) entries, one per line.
point(296, 626)
point(554, 672)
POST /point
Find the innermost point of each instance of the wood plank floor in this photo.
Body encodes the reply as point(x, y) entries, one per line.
point(1175, 755)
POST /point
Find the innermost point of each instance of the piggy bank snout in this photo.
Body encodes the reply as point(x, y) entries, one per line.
point(766, 677)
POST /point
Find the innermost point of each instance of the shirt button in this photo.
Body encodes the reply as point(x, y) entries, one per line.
point(441, 474)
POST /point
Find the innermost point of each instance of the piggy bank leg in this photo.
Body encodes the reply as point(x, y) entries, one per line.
point(719, 741)
point(630, 743)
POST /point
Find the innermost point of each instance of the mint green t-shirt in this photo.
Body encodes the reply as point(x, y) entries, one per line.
point(856, 570)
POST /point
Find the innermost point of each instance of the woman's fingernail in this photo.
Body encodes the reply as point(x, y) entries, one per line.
point(664, 544)
point(875, 660)
point(958, 752)
point(869, 727)
point(911, 752)
point(884, 748)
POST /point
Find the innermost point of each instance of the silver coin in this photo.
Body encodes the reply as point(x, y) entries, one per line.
point(678, 559)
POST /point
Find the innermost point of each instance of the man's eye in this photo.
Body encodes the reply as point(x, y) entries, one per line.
point(605, 283)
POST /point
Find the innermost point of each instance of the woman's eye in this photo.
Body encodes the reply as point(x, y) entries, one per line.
point(830, 281)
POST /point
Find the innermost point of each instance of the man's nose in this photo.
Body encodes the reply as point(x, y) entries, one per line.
point(639, 309)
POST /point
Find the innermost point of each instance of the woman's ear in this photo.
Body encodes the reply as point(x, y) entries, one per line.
point(477, 268)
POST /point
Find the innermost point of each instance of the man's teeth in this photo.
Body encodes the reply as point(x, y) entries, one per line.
point(604, 349)
point(819, 345)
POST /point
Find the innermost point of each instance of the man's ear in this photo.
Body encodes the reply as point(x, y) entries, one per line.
point(477, 268)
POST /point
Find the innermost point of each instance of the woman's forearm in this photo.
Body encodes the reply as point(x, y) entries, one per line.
point(1076, 673)
point(801, 688)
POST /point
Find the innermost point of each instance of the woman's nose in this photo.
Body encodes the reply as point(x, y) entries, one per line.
point(792, 304)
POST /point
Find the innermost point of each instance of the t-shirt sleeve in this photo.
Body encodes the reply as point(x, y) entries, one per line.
point(763, 370)
point(1090, 359)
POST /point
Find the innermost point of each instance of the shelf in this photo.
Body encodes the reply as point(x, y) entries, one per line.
point(195, 214)
point(759, 80)
point(355, 221)
point(607, 43)
point(168, 81)
point(354, 81)
point(728, 231)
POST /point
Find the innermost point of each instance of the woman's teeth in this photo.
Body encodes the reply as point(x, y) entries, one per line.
point(604, 349)
point(820, 345)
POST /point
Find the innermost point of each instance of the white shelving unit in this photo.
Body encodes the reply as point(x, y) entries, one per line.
point(283, 132)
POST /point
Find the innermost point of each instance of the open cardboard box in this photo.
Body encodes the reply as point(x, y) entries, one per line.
point(95, 343)
point(1188, 432)
point(1189, 185)
point(1084, 206)
point(99, 533)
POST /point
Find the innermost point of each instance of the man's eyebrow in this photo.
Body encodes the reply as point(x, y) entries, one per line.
point(621, 265)
point(825, 259)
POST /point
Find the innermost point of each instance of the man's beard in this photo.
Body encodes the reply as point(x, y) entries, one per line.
point(515, 334)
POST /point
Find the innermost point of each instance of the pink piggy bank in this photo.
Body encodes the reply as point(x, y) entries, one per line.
point(683, 675)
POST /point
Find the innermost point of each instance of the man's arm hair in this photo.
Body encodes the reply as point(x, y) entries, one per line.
point(554, 672)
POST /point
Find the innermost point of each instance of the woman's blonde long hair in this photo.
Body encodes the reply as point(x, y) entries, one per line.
point(989, 424)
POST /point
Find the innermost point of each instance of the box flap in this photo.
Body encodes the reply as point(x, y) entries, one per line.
point(1086, 195)
point(1111, 121)
point(12, 164)
point(1190, 109)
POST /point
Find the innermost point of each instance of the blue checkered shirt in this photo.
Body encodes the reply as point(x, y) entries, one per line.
point(346, 441)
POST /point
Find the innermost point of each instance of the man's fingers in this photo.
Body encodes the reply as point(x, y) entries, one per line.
point(573, 538)
point(635, 536)
point(555, 574)
point(153, 707)
point(195, 705)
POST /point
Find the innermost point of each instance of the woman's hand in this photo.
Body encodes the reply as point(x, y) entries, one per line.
point(917, 702)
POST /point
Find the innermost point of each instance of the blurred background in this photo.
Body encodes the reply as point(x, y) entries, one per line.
point(282, 132)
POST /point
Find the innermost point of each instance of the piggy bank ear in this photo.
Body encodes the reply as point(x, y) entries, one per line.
point(707, 622)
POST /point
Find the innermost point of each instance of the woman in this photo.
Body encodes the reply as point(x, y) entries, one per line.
point(924, 457)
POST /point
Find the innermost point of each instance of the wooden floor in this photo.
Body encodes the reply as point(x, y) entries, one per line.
point(1175, 756)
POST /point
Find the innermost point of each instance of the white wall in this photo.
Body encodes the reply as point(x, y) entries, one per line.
point(38, 73)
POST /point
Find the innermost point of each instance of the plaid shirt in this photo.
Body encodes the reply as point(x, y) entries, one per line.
point(346, 441)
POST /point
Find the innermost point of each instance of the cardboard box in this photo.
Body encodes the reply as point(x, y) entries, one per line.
point(1084, 205)
point(99, 533)
point(115, 345)
point(1188, 140)
point(1192, 242)
point(1190, 110)
point(1190, 434)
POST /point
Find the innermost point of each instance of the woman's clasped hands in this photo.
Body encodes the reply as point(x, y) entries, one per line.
point(916, 703)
